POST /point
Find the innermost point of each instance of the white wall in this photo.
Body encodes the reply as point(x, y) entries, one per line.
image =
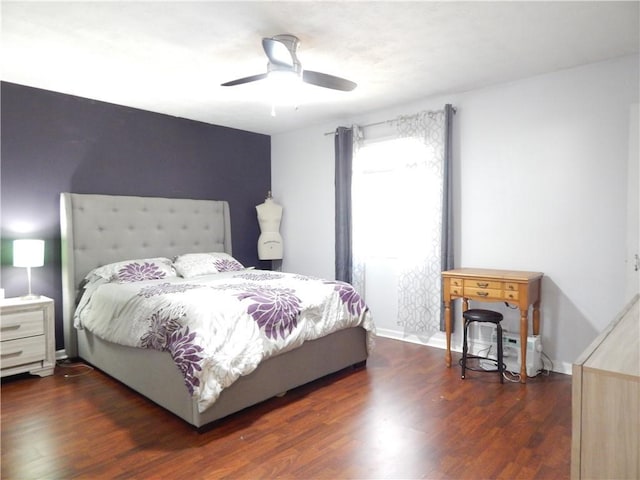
point(540, 170)
point(302, 181)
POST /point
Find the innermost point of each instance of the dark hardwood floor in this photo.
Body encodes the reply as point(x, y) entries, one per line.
point(403, 416)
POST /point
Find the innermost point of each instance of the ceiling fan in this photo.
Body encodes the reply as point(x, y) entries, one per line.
point(281, 52)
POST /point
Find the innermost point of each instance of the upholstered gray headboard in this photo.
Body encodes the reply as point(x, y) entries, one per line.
point(101, 229)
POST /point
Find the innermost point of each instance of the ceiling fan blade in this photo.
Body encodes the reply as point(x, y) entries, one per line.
point(277, 52)
point(328, 81)
point(240, 81)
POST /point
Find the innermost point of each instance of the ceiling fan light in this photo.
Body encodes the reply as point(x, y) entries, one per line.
point(284, 88)
point(284, 76)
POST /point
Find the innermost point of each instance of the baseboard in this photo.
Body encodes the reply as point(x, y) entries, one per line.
point(61, 355)
point(562, 367)
point(437, 340)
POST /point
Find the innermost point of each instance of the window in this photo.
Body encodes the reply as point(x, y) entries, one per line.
point(396, 199)
point(397, 192)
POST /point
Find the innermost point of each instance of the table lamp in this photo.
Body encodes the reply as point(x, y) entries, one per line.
point(28, 253)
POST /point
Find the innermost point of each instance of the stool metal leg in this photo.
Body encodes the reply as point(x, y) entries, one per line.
point(500, 353)
point(464, 347)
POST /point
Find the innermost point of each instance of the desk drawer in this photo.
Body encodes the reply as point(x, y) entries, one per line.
point(456, 288)
point(483, 293)
point(511, 287)
point(456, 291)
point(510, 295)
point(21, 324)
point(21, 351)
point(482, 284)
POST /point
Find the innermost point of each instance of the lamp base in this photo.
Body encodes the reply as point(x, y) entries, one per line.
point(30, 296)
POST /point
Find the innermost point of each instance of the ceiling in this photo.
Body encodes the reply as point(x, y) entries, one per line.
point(171, 57)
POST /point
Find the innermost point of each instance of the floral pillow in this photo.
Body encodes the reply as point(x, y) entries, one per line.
point(195, 264)
point(135, 270)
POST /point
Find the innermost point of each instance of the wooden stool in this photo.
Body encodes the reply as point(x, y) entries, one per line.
point(489, 316)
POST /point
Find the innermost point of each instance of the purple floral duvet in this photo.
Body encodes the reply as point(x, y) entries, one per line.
point(221, 326)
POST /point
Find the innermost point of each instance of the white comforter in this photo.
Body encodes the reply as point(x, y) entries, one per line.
point(219, 327)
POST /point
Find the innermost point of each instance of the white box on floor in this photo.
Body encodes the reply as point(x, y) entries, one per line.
point(511, 352)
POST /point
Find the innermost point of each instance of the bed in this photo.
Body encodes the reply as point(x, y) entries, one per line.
point(100, 230)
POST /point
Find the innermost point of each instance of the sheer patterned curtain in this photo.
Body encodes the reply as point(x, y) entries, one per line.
point(358, 261)
point(420, 250)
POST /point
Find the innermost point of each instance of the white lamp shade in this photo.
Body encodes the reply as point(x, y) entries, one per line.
point(28, 253)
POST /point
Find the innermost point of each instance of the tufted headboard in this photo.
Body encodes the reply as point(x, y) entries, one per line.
point(101, 229)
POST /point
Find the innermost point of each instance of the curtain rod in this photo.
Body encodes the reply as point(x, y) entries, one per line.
point(377, 123)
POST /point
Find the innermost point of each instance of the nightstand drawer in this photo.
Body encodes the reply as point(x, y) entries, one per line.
point(21, 351)
point(21, 324)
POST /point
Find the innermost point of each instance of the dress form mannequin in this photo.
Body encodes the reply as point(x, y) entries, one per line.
point(270, 240)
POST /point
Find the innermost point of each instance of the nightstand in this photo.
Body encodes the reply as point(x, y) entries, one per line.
point(27, 339)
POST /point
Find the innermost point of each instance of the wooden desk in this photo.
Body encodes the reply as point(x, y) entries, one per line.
point(485, 285)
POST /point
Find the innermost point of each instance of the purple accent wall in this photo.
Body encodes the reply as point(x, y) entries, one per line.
point(54, 143)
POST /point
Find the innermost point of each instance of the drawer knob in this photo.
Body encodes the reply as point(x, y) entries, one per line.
point(483, 294)
point(482, 284)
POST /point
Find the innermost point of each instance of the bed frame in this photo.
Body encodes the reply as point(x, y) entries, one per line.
point(101, 229)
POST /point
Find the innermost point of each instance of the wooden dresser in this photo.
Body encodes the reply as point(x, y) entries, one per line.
point(606, 402)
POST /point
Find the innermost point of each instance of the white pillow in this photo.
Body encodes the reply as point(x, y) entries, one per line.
point(134, 270)
point(194, 264)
